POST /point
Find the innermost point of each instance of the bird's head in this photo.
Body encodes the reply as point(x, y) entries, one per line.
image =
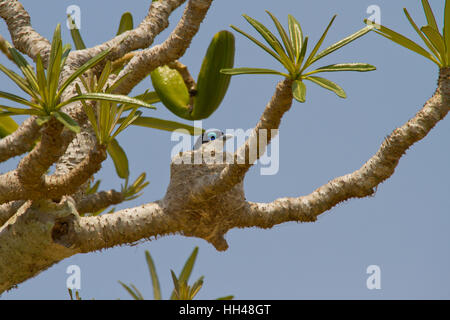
point(213, 136)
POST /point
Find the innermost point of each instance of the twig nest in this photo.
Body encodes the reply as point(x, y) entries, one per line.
point(204, 214)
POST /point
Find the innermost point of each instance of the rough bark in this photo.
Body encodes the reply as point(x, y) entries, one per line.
point(40, 222)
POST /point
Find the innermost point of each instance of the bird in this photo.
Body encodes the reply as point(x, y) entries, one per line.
point(216, 137)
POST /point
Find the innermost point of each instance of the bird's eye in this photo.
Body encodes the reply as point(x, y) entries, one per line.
point(212, 136)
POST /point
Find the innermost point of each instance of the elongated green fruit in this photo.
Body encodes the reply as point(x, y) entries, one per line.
point(212, 85)
point(172, 91)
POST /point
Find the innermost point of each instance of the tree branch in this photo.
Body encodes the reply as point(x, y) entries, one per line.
point(98, 201)
point(171, 49)
point(24, 37)
point(141, 37)
point(52, 145)
point(7, 210)
point(362, 182)
point(20, 141)
point(56, 185)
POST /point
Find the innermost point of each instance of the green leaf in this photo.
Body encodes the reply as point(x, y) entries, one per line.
point(89, 64)
point(266, 34)
point(116, 83)
point(303, 52)
point(165, 125)
point(119, 158)
point(54, 66)
point(138, 293)
point(56, 42)
point(42, 119)
point(131, 291)
point(195, 288)
point(341, 43)
point(154, 276)
point(360, 67)
point(299, 91)
point(132, 116)
point(430, 16)
point(226, 298)
point(436, 39)
point(65, 54)
point(273, 42)
point(42, 81)
point(94, 188)
point(296, 35)
point(53, 75)
point(318, 44)
point(149, 97)
point(7, 126)
point(26, 69)
point(17, 111)
point(420, 33)
point(403, 41)
point(76, 36)
point(258, 43)
point(18, 99)
point(21, 82)
point(117, 98)
point(327, 84)
point(67, 121)
point(126, 23)
point(286, 41)
point(187, 269)
point(176, 290)
point(92, 118)
point(447, 29)
point(239, 71)
point(104, 76)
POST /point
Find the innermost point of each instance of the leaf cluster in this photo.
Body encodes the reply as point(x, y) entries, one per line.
point(290, 49)
point(438, 43)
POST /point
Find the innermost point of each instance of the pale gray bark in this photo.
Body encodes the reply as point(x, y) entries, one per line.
point(41, 226)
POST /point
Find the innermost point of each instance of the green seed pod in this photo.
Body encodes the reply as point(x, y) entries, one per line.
point(172, 91)
point(212, 85)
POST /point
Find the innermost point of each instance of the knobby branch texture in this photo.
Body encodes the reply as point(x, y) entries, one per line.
point(42, 217)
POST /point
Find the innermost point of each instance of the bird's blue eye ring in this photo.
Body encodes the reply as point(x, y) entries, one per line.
point(212, 136)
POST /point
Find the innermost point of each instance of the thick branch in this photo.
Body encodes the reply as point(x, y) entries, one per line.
point(7, 210)
point(20, 141)
point(58, 232)
point(171, 49)
point(54, 186)
point(139, 38)
point(125, 226)
point(100, 200)
point(47, 152)
point(24, 37)
point(362, 182)
point(66, 184)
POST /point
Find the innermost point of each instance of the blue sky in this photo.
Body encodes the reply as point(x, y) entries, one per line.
point(403, 228)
